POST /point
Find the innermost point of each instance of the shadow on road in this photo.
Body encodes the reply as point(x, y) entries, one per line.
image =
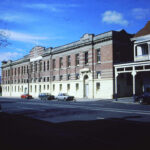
point(18, 132)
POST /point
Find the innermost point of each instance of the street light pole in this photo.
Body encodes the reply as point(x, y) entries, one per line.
point(28, 79)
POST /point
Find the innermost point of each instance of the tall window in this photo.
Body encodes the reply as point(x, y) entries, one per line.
point(54, 63)
point(27, 69)
point(77, 59)
point(47, 87)
point(61, 62)
point(47, 65)
point(35, 66)
point(53, 87)
point(60, 87)
point(8, 72)
point(77, 76)
point(68, 77)
point(35, 88)
point(61, 77)
point(77, 86)
point(12, 72)
point(98, 55)
point(86, 57)
point(97, 86)
point(98, 74)
point(22, 70)
point(44, 65)
point(53, 78)
point(40, 65)
point(44, 79)
point(40, 88)
point(31, 88)
point(68, 61)
point(31, 67)
point(68, 87)
point(15, 71)
point(18, 70)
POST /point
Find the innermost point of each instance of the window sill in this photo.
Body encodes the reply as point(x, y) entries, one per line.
point(141, 55)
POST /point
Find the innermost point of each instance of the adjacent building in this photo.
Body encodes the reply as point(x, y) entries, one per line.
point(84, 68)
point(133, 78)
point(0, 87)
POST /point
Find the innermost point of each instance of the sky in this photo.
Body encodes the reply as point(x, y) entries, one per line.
point(49, 23)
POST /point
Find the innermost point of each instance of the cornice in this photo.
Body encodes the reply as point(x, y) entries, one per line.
point(96, 39)
point(15, 62)
point(87, 39)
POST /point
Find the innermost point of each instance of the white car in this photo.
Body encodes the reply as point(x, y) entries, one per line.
point(64, 96)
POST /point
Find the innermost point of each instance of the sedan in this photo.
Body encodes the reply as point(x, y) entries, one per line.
point(26, 96)
point(64, 96)
point(46, 96)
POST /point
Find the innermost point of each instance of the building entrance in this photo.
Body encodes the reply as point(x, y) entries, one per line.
point(86, 86)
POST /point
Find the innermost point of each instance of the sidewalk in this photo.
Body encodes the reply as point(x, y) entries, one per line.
point(125, 100)
point(119, 100)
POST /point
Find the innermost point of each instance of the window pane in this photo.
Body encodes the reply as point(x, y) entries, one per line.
point(98, 55)
point(77, 59)
point(86, 57)
point(69, 61)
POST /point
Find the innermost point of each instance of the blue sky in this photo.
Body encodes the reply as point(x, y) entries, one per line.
point(54, 23)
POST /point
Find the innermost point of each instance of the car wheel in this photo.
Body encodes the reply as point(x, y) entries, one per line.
point(141, 100)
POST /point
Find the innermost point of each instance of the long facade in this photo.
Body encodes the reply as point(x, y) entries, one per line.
point(83, 68)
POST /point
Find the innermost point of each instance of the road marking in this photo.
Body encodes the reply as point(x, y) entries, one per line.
point(99, 118)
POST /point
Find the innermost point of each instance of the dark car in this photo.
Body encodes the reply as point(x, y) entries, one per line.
point(26, 96)
point(46, 96)
point(144, 98)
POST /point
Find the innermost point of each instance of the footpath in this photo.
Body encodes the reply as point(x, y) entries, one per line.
point(128, 100)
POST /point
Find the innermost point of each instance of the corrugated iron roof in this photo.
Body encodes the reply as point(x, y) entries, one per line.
point(144, 31)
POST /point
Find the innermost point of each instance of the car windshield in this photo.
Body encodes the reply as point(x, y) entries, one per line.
point(44, 94)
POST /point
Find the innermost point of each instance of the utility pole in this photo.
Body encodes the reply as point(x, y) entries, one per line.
point(93, 69)
point(28, 78)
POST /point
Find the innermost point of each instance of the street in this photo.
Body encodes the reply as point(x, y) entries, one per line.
point(62, 111)
point(60, 124)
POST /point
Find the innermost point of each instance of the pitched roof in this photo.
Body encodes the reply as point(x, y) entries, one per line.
point(144, 31)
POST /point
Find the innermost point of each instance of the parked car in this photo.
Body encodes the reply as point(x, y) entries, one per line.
point(64, 96)
point(26, 96)
point(0, 108)
point(144, 98)
point(46, 96)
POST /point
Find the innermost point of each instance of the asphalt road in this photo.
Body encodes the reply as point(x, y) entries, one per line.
point(100, 124)
point(62, 111)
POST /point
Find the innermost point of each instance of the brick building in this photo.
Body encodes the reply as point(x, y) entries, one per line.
point(83, 68)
